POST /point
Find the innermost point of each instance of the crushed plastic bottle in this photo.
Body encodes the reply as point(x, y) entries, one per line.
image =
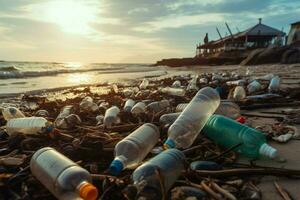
point(12, 113)
point(131, 151)
point(157, 106)
point(274, 84)
point(144, 84)
point(188, 125)
point(29, 125)
point(61, 176)
point(88, 105)
point(66, 118)
point(138, 108)
point(111, 116)
point(173, 91)
point(228, 133)
point(254, 86)
point(192, 86)
point(239, 93)
point(129, 105)
point(168, 164)
point(176, 84)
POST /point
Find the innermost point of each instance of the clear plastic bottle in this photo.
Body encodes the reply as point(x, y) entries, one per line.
point(236, 83)
point(176, 84)
point(88, 105)
point(138, 108)
point(131, 151)
point(169, 163)
point(173, 91)
point(144, 84)
point(61, 176)
point(274, 84)
point(60, 120)
point(188, 125)
point(193, 84)
point(239, 93)
point(29, 125)
point(12, 113)
point(111, 116)
point(128, 105)
point(227, 133)
point(157, 106)
point(254, 86)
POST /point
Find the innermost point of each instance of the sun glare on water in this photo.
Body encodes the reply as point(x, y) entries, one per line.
point(79, 78)
point(72, 15)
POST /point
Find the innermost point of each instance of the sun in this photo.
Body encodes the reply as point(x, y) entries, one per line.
point(73, 16)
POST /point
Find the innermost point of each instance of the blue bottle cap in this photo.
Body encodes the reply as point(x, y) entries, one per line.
point(169, 144)
point(49, 128)
point(115, 167)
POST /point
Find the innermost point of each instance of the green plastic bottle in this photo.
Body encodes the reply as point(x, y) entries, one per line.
point(227, 133)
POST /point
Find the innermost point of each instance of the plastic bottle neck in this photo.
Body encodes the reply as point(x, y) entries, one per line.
point(87, 191)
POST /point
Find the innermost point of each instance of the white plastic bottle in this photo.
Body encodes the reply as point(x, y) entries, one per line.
point(111, 116)
point(29, 125)
point(88, 105)
point(131, 151)
point(11, 113)
point(239, 93)
point(157, 106)
point(173, 91)
point(61, 176)
point(144, 84)
point(254, 86)
point(274, 84)
point(128, 105)
point(138, 108)
point(188, 125)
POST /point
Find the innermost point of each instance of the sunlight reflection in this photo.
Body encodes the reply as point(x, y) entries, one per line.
point(79, 78)
point(73, 65)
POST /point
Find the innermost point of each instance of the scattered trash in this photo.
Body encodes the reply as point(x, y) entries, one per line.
point(12, 113)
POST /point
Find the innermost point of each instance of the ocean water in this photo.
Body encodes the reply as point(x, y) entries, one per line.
point(19, 77)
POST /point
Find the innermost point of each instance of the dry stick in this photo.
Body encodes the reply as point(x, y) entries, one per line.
point(282, 192)
point(226, 193)
point(162, 183)
point(248, 172)
point(225, 152)
point(210, 191)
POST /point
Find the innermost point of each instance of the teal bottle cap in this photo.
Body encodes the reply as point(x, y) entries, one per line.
point(115, 167)
point(169, 144)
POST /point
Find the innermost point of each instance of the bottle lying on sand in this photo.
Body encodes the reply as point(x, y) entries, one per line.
point(88, 105)
point(111, 116)
point(254, 86)
point(239, 93)
point(61, 176)
point(144, 84)
point(274, 84)
point(168, 164)
point(12, 113)
point(128, 105)
point(29, 125)
point(67, 118)
point(188, 125)
point(138, 108)
point(131, 151)
point(173, 91)
point(228, 133)
point(176, 84)
point(157, 106)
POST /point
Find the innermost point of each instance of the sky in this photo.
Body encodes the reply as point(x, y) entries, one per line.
point(127, 31)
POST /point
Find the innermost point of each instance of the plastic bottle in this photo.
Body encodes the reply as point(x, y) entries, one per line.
point(188, 125)
point(157, 106)
point(88, 105)
point(61, 176)
point(99, 119)
point(274, 84)
point(227, 133)
point(203, 80)
point(138, 108)
point(169, 163)
point(103, 107)
point(29, 125)
point(111, 116)
point(239, 93)
point(176, 84)
point(236, 83)
point(60, 120)
point(173, 91)
point(254, 86)
point(193, 84)
point(144, 84)
point(128, 105)
point(130, 151)
point(12, 113)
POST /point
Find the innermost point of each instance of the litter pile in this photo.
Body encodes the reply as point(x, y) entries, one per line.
point(175, 138)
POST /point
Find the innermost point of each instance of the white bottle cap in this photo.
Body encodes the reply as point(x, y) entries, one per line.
point(267, 151)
